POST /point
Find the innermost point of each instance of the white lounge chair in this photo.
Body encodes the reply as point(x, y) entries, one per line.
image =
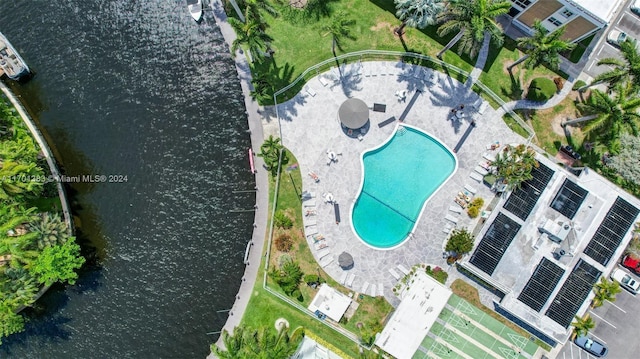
point(483, 107)
point(311, 202)
point(403, 269)
point(326, 261)
point(489, 156)
point(310, 231)
point(310, 91)
point(481, 170)
point(476, 176)
point(306, 195)
point(470, 189)
point(323, 81)
point(477, 103)
point(417, 72)
point(380, 290)
point(455, 209)
point(394, 274)
point(310, 222)
point(350, 280)
point(451, 218)
point(343, 278)
point(447, 229)
point(373, 291)
point(365, 286)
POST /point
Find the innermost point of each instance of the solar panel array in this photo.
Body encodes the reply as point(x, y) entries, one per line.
point(541, 284)
point(569, 198)
point(522, 200)
point(494, 243)
point(573, 293)
point(611, 231)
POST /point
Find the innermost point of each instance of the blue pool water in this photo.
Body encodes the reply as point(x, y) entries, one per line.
point(399, 178)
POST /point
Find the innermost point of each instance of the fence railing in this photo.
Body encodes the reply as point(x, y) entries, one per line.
point(359, 56)
point(373, 55)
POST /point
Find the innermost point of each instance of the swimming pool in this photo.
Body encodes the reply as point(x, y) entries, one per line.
point(398, 178)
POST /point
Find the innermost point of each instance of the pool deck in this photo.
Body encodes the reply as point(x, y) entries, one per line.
point(310, 127)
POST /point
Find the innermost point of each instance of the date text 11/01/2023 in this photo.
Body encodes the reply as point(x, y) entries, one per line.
point(90, 178)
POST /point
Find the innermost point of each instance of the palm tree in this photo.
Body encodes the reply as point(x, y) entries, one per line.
point(627, 69)
point(582, 326)
point(611, 116)
point(471, 19)
point(251, 34)
point(542, 48)
point(261, 343)
point(19, 178)
point(605, 290)
point(270, 153)
point(417, 13)
point(51, 230)
point(515, 164)
point(256, 6)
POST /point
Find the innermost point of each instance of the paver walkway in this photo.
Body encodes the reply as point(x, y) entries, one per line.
point(310, 127)
point(262, 183)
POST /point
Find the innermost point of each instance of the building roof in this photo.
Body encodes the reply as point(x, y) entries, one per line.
point(547, 279)
point(310, 349)
point(330, 302)
point(602, 9)
point(420, 307)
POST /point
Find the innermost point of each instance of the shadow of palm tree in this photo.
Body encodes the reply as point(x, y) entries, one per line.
point(515, 91)
point(350, 79)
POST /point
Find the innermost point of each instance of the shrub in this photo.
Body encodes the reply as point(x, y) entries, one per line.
point(311, 278)
point(288, 277)
point(475, 206)
point(559, 83)
point(460, 242)
point(541, 89)
point(438, 274)
point(282, 220)
point(283, 242)
point(579, 84)
point(284, 259)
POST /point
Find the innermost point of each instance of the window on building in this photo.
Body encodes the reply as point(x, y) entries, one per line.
point(554, 21)
point(567, 13)
point(522, 3)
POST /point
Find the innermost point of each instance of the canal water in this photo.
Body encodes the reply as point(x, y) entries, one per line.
point(138, 89)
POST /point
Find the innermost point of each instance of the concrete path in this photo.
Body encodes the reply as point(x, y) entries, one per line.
point(528, 104)
point(262, 183)
point(480, 62)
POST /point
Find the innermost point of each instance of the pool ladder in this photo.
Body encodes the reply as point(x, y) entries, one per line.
point(401, 130)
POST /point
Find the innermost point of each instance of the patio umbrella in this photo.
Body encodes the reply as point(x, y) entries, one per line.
point(353, 113)
point(345, 260)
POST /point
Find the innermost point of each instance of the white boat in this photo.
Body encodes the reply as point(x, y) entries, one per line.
point(195, 9)
point(10, 61)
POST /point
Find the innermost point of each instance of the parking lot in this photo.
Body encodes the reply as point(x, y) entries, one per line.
point(625, 21)
point(616, 327)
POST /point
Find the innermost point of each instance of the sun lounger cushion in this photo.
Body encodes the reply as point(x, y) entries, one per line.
point(476, 176)
point(455, 209)
point(403, 269)
point(481, 170)
point(350, 280)
point(451, 218)
point(394, 274)
point(470, 189)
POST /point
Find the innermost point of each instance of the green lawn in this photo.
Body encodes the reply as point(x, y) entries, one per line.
point(264, 308)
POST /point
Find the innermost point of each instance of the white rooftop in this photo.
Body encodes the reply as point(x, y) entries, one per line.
point(603, 9)
point(310, 349)
point(420, 307)
point(330, 302)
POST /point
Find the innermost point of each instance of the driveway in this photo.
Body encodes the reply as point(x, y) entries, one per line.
point(625, 21)
point(616, 327)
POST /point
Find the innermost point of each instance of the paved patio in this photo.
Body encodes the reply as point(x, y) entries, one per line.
point(310, 127)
